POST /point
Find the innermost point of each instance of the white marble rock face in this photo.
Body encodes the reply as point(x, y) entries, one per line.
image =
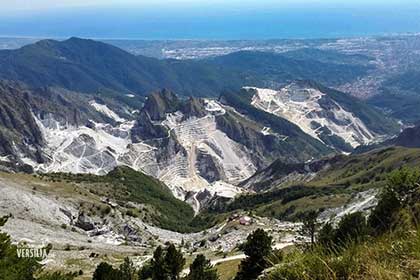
point(100, 148)
point(302, 106)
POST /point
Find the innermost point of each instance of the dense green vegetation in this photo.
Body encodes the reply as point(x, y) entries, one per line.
point(328, 56)
point(258, 247)
point(201, 269)
point(332, 187)
point(126, 271)
point(384, 246)
point(167, 264)
point(124, 184)
point(331, 69)
point(368, 169)
point(400, 96)
point(285, 195)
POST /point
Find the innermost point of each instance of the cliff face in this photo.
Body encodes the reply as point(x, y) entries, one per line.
point(19, 132)
point(159, 103)
point(21, 111)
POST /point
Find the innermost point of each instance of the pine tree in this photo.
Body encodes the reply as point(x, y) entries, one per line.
point(146, 272)
point(310, 225)
point(127, 270)
point(402, 190)
point(201, 269)
point(174, 261)
point(104, 271)
point(158, 265)
point(257, 248)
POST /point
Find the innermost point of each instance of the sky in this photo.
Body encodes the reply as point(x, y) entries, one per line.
point(207, 19)
point(8, 6)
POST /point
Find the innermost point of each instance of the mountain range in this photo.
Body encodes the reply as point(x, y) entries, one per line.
point(82, 106)
point(89, 66)
point(106, 154)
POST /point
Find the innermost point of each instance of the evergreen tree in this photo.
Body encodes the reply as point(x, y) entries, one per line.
point(104, 271)
point(146, 271)
point(310, 225)
point(174, 262)
point(11, 266)
point(201, 269)
point(127, 270)
point(257, 248)
point(158, 265)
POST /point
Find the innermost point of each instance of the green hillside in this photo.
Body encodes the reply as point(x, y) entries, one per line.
point(382, 245)
point(124, 185)
point(332, 187)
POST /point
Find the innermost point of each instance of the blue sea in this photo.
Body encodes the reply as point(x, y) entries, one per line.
point(217, 22)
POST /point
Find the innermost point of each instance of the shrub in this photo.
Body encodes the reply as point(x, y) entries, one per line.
point(352, 228)
point(402, 185)
point(326, 236)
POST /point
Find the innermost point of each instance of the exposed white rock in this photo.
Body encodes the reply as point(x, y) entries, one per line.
point(102, 108)
point(224, 189)
point(21, 203)
point(83, 149)
point(266, 131)
point(4, 158)
point(214, 107)
point(201, 134)
point(99, 148)
point(302, 107)
point(362, 202)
